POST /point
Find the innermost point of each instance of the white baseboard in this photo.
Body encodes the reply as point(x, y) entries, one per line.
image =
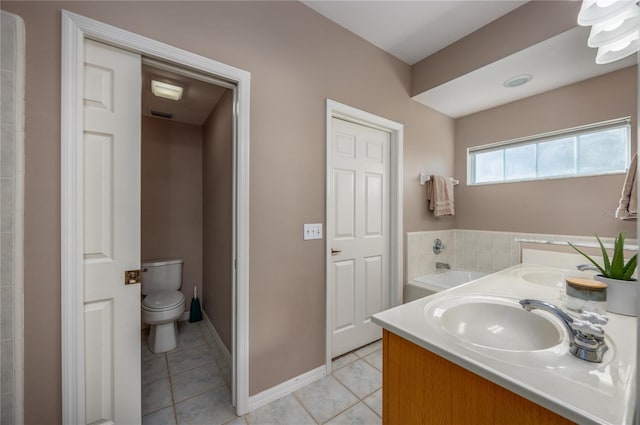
point(287, 387)
point(216, 337)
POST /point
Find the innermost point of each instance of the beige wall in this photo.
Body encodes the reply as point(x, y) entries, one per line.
point(297, 59)
point(172, 197)
point(217, 187)
point(428, 148)
point(576, 206)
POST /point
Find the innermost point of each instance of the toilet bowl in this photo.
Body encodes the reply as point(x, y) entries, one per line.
point(161, 310)
point(163, 303)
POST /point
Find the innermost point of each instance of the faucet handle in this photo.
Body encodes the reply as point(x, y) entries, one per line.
point(588, 328)
point(585, 267)
point(593, 317)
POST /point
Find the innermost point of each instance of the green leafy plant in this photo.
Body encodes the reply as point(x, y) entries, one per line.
point(616, 267)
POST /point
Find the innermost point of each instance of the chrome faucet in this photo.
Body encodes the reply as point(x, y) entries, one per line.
point(583, 267)
point(586, 334)
point(440, 265)
point(438, 246)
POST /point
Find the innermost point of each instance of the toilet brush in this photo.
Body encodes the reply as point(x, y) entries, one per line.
point(195, 314)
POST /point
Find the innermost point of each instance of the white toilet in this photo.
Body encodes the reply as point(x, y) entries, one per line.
point(163, 303)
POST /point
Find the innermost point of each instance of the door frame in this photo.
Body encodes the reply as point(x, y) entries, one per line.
point(339, 110)
point(75, 28)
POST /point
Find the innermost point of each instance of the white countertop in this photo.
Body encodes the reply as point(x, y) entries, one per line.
point(584, 392)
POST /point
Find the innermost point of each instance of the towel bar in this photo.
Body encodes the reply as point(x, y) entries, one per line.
point(424, 177)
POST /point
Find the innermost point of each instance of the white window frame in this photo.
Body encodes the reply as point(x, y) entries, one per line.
point(523, 141)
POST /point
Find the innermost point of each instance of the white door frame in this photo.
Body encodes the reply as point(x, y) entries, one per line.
point(342, 111)
point(75, 28)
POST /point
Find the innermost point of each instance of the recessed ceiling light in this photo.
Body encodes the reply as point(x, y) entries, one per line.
point(166, 90)
point(518, 80)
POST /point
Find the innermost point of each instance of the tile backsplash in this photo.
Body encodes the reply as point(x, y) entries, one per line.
point(474, 250)
point(421, 259)
point(11, 216)
point(485, 251)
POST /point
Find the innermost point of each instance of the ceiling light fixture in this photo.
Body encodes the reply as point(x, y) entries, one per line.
point(615, 27)
point(166, 90)
point(518, 80)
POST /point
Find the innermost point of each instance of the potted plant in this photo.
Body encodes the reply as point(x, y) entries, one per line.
point(621, 286)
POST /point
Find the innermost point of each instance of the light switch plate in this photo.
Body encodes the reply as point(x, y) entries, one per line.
point(312, 231)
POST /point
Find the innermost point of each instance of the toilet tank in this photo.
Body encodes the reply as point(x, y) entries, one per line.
point(161, 275)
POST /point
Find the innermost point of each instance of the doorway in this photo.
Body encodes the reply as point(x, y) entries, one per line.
point(187, 216)
point(364, 174)
point(76, 29)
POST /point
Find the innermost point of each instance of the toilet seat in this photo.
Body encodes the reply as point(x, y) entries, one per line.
point(162, 300)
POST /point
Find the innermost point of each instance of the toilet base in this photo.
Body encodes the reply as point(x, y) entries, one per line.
point(163, 338)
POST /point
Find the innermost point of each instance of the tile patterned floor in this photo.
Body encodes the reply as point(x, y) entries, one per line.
point(191, 386)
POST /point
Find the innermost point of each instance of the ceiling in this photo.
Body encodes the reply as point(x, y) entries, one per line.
point(413, 30)
point(553, 63)
point(198, 99)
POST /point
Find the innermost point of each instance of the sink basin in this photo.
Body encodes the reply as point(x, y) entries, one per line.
point(544, 278)
point(498, 324)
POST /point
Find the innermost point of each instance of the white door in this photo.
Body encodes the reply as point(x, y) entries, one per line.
point(358, 232)
point(111, 234)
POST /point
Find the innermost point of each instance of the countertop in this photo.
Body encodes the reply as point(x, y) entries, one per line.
point(584, 392)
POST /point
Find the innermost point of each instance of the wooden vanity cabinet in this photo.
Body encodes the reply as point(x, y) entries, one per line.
point(421, 388)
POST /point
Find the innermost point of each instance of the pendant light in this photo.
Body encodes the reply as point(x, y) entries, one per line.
point(615, 27)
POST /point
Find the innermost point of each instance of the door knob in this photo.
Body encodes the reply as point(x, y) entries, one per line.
point(335, 251)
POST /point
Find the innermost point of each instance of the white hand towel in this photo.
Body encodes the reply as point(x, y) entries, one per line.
point(628, 208)
point(440, 196)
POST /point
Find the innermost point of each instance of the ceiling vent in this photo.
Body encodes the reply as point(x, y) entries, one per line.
point(161, 114)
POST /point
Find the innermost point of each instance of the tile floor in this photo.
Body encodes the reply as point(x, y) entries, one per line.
point(191, 385)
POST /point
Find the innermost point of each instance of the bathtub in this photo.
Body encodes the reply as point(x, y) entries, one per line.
point(429, 284)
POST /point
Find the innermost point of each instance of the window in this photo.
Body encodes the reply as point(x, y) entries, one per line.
point(595, 149)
